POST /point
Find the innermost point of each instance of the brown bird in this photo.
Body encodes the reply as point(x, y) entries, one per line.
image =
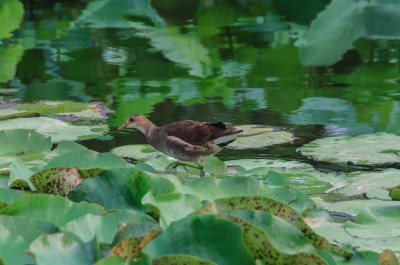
point(186, 140)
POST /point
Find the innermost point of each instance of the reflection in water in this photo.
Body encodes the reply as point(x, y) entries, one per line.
point(240, 62)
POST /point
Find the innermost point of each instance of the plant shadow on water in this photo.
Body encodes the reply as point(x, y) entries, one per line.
point(313, 84)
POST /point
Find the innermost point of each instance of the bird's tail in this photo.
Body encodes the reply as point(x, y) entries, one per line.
point(227, 138)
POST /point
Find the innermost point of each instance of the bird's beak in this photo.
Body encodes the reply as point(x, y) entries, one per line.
point(123, 126)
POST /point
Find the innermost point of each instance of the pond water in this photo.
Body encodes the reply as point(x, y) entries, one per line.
point(239, 62)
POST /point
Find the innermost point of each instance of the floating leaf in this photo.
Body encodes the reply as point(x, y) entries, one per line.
point(249, 130)
point(11, 14)
point(220, 240)
point(58, 130)
point(9, 196)
point(113, 260)
point(378, 148)
point(136, 151)
point(262, 140)
point(23, 144)
point(83, 110)
point(115, 189)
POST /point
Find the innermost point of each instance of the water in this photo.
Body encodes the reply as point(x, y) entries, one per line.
point(235, 62)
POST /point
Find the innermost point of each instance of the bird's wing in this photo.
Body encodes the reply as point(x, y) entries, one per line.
point(194, 132)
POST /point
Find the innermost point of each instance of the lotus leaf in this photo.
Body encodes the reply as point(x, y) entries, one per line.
point(181, 259)
point(23, 144)
point(58, 130)
point(55, 209)
point(133, 238)
point(272, 207)
point(113, 260)
point(373, 184)
point(220, 240)
point(262, 140)
point(368, 149)
point(273, 240)
point(67, 170)
point(12, 248)
point(300, 176)
point(136, 151)
point(90, 226)
point(121, 188)
point(61, 248)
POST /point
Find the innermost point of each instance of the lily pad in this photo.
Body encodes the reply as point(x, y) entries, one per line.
point(91, 111)
point(368, 149)
point(23, 144)
point(136, 151)
point(11, 55)
point(301, 176)
point(56, 129)
point(370, 182)
point(254, 136)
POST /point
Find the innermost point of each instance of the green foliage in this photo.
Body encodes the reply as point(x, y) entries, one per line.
point(9, 56)
point(11, 12)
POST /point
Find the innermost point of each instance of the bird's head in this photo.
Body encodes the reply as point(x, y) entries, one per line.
point(136, 121)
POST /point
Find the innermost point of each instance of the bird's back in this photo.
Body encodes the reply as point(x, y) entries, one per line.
point(199, 133)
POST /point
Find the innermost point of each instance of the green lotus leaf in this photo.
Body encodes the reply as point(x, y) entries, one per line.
point(67, 170)
point(214, 165)
point(373, 184)
point(373, 224)
point(24, 144)
point(180, 259)
point(220, 240)
point(26, 227)
point(273, 240)
point(130, 216)
point(12, 248)
point(170, 207)
point(89, 226)
point(272, 207)
point(115, 189)
point(133, 238)
point(113, 260)
point(55, 209)
point(61, 248)
point(249, 130)
point(9, 57)
point(58, 130)
point(302, 177)
point(56, 180)
point(8, 196)
point(262, 140)
point(378, 148)
point(136, 151)
point(169, 193)
point(92, 111)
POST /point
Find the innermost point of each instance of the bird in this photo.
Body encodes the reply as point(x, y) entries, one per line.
point(187, 140)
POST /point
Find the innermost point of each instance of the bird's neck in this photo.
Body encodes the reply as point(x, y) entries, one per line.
point(148, 129)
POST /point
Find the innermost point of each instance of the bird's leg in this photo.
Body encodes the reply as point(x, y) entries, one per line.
point(196, 165)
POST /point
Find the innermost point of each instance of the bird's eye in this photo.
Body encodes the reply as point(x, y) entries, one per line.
point(131, 120)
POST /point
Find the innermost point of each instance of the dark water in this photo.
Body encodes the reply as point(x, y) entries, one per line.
point(239, 62)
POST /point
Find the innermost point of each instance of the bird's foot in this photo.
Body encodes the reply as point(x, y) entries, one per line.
point(185, 164)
